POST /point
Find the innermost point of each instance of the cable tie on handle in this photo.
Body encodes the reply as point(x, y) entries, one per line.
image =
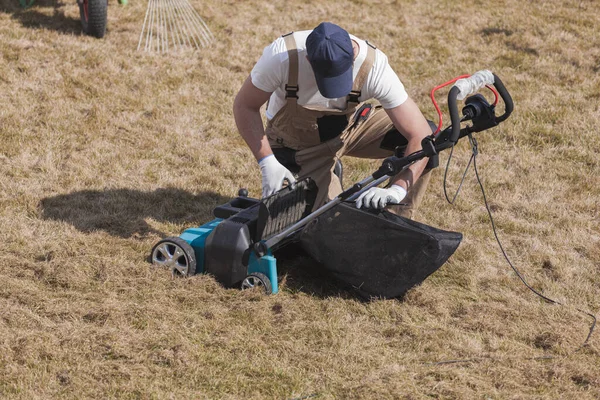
point(474, 146)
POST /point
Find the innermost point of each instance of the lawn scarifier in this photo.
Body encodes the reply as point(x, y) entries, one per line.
point(237, 247)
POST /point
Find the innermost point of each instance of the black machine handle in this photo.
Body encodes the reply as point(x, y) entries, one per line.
point(449, 136)
point(508, 101)
point(455, 116)
point(431, 145)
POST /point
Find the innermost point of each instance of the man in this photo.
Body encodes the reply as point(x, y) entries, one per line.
point(316, 83)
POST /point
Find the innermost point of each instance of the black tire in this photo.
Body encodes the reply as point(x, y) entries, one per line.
point(257, 281)
point(93, 15)
point(176, 254)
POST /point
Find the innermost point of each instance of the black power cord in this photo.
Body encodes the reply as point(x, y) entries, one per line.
point(473, 159)
point(462, 179)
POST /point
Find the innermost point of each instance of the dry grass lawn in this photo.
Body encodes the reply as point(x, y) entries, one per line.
point(106, 150)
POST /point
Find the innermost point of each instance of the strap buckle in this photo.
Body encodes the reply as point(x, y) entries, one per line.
point(291, 91)
point(353, 96)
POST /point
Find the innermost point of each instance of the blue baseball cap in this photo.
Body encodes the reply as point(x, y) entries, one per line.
point(330, 53)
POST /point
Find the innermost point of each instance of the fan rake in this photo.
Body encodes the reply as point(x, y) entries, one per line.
point(172, 25)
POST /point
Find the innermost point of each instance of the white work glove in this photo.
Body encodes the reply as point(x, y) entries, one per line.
point(379, 198)
point(273, 174)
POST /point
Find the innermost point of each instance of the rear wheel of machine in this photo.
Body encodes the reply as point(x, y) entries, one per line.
point(175, 254)
point(93, 17)
point(257, 281)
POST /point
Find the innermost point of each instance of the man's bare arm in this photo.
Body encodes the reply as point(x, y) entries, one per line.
point(246, 111)
point(411, 123)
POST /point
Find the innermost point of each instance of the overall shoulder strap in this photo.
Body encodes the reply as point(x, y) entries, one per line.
point(291, 88)
point(362, 75)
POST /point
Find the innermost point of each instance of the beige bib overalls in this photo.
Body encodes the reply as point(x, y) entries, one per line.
point(296, 127)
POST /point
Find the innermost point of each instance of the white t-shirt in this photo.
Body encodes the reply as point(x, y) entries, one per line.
point(270, 74)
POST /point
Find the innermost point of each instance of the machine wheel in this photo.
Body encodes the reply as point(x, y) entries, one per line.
point(93, 17)
point(176, 254)
point(257, 280)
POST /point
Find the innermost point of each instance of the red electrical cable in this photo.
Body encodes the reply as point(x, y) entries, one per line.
point(435, 104)
point(493, 89)
point(437, 108)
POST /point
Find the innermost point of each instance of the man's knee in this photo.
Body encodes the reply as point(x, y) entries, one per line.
point(394, 141)
point(287, 158)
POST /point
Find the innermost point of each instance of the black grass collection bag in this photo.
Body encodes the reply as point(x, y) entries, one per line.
point(378, 254)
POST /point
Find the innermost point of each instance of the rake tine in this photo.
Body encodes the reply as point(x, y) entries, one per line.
point(143, 26)
point(173, 24)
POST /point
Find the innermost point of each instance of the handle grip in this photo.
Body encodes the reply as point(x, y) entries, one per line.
point(454, 115)
point(508, 101)
point(468, 86)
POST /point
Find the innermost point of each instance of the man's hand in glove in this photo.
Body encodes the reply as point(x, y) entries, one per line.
point(273, 174)
point(379, 198)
